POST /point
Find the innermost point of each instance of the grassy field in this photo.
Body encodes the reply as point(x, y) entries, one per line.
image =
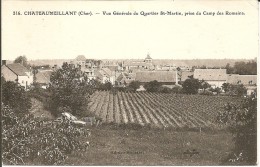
point(119, 146)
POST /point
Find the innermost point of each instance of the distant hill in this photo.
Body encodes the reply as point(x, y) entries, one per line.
point(190, 62)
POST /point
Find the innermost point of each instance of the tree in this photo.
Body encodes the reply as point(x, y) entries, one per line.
point(22, 60)
point(236, 90)
point(152, 86)
point(204, 85)
point(70, 88)
point(242, 122)
point(243, 68)
point(15, 96)
point(225, 86)
point(230, 70)
point(134, 85)
point(191, 86)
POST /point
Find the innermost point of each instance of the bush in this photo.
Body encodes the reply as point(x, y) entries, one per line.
point(164, 89)
point(134, 85)
point(177, 89)
point(152, 86)
point(15, 96)
point(29, 140)
point(242, 122)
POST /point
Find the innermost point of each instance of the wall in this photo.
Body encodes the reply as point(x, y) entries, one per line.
point(22, 80)
point(216, 83)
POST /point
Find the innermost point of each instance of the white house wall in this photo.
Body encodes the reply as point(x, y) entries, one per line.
point(215, 84)
point(23, 79)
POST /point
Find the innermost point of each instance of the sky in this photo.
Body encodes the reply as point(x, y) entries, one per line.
point(130, 37)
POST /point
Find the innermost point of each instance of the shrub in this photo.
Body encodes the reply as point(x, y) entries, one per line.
point(152, 86)
point(15, 96)
point(29, 140)
point(242, 122)
point(164, 89)
point(177, 89)
point(134, 85)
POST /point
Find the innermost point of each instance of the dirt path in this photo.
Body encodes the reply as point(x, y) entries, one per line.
point(38, 110)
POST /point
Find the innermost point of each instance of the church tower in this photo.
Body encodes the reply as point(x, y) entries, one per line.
point(148, 59)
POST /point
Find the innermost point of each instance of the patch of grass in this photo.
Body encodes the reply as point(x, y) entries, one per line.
point(134, 145)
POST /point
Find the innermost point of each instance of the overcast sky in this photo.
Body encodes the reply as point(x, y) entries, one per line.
point(130, 37)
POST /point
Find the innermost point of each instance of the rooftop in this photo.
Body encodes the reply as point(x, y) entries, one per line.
point(160, 76)
point(18, 69)
point(210, 74)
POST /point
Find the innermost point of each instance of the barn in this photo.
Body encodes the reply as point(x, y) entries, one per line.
point(215, 77)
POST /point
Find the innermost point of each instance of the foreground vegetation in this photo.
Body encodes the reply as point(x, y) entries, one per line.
point(123, 145)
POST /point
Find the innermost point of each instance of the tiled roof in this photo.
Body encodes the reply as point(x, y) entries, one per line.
point(107, 71)
point(185, 75)
point(43, 77)
point(18, 69)
point(160, 76)
point(210, 74)
point(128, 77)
point(242, 79)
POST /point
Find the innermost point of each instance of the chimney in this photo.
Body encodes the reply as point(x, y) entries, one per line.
point(3, 62)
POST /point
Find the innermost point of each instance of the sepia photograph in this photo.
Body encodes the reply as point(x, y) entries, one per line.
point(129, 83)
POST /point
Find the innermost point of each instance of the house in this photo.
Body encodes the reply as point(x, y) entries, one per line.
point(215, 77)
point(164, 77)
point(125, 78)
point(17, 73)
point(89, 72)
point(113, 66)
point(105, 75)
point(249, 81)
point(134, 65)
point(80, 60)
point(43, 78)
point(145, 64)
point(242, 79)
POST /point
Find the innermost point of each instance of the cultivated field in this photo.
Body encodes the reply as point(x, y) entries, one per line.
point(158, 109)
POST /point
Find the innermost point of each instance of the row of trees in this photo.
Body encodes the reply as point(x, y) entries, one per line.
point(190, 86)
point(241, 67)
